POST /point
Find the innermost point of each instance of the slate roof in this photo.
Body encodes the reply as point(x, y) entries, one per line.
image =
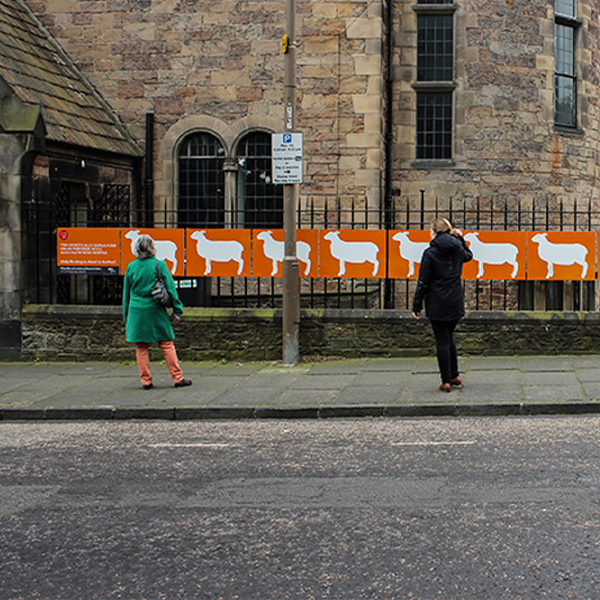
point(40, 73)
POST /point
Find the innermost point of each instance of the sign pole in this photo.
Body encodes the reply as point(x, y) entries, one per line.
point(291, 278)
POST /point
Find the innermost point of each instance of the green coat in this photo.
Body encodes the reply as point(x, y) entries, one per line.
point(145, 320)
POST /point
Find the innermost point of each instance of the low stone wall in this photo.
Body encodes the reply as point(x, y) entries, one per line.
point(97, 333)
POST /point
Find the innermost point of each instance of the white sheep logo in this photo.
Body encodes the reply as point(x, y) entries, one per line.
point(561, 254)
point(165, 249)
point(492, 254)
point(409, 250)
point(352, 252)
point(218, 251)
point(274, 250)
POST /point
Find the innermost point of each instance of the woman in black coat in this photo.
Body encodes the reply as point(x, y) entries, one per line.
point(441, 288)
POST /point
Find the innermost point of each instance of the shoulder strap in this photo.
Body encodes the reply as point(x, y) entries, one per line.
point(158, 273)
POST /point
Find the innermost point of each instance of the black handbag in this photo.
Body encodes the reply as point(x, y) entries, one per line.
point(159, 290)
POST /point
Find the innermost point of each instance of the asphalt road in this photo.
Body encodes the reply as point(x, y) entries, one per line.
point(421, 509)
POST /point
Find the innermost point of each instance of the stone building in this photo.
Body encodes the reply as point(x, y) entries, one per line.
point(514, 86)
point(211, 74)
point(494, 99)
point(410, 103)
point(63, 153)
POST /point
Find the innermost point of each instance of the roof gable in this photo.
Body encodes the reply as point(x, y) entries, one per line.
point(40, 73)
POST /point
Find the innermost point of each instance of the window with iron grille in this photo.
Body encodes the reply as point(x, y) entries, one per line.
point(435, 80)
point(435, 47)
point(565, 76)
point(259, 200)
point(434, 125)
point(201, 182)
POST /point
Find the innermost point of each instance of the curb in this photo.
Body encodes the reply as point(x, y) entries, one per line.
point(325, 412)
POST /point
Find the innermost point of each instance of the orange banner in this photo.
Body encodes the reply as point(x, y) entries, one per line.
point(352, 253)
point(268, 252)
point(406, 250)
point(561, 255)
point(89, 247)
point(169, 247)
point(496, 255)
point(218, 252)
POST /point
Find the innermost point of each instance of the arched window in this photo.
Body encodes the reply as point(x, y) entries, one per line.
point(201, 182)
point(259, 200)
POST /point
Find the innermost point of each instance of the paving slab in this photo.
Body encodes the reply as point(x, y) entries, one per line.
point(374, 387)
point(491, 363)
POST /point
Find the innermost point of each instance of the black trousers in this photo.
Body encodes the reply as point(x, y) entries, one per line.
point(446, 349)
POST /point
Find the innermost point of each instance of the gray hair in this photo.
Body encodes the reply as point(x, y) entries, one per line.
point(144, 247)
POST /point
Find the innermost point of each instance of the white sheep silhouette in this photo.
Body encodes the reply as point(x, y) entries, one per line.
point(560, 254)
point(352, 252)
point(492, 254)
point(218, 251)
point(409, 250)
point(165, 249)
point(274, 250)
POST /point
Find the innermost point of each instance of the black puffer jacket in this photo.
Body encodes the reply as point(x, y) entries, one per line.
point(439, 278)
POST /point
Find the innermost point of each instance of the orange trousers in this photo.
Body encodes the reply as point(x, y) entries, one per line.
point(170, 354)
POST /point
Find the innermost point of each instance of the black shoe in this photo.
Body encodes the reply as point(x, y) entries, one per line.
point(148, 386)
point(183, 383)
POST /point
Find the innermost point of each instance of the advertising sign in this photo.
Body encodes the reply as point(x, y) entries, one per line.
point(406, 250)
point(496, 255)
point(268, 252)
point(218, 252)
point(561, 255)
point(82, 251)
point(352, 253)
point(169, 247)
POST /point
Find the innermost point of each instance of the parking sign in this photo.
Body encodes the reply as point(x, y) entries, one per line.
point(287, 158)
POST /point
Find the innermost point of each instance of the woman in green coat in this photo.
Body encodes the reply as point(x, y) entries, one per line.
point(147, 322)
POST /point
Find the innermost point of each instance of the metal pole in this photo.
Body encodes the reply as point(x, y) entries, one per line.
point(291, 278)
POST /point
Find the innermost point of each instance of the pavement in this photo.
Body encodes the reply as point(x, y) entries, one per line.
point(364, 387)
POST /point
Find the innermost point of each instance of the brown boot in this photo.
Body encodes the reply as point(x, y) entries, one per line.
point(456, 382)
point(445, 387)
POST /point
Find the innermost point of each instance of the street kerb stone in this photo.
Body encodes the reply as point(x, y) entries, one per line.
point(330, 412)
point(23, 414)
point(78, 414)
point(490, 409)
point(419, 410)
point(277, 412)
point(167, 414)
point(560, 408)
point(187, 413)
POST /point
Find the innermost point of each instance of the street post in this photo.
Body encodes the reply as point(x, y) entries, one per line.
point(291, 277)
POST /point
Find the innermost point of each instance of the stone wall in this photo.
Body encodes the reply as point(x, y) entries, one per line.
point(221, 60)
point(12, 150)
point(216, 65)
point(96, 333)
point(506, 145)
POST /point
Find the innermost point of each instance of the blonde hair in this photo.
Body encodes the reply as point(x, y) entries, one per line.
point(441, 225)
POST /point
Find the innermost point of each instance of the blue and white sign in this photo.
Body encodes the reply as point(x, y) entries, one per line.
point(287, 158)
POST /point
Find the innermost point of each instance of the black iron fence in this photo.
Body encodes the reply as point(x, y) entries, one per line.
point(112, 208)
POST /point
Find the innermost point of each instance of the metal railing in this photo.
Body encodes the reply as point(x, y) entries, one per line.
point(113, 209)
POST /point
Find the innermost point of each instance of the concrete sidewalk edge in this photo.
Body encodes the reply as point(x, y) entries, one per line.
point(328, 412)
